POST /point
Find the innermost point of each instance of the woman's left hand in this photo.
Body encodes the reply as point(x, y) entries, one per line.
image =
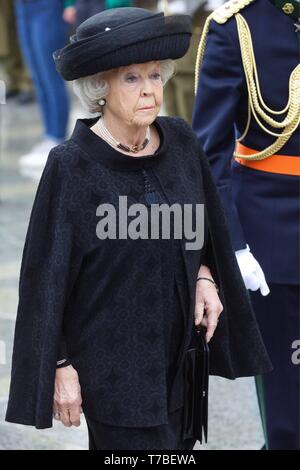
point(207, 306)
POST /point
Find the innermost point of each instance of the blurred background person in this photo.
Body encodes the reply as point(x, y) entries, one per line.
point(77, 11)
point(41, 30)
point(148, 4)
point(117, 3)
point(70, 11)
point(16, 76)
point(179, 91)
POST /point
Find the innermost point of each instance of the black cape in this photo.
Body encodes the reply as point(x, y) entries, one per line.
point(96, 294)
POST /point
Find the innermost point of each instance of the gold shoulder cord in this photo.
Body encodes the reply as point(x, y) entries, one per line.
point(220, 15)
point(256, 104)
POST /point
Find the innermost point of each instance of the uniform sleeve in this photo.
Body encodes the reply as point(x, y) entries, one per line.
point(49, 268)
point(216, 106)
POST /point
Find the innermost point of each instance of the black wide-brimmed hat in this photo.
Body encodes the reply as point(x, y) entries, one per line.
point(122, 36)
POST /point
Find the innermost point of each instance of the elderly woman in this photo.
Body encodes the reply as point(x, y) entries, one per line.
point(107, 307)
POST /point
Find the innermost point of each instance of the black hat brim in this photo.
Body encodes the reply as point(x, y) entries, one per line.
point(157, 37)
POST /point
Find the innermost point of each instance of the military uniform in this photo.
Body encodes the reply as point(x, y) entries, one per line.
point(10, 55)
point(247, 107)
point(179, 91)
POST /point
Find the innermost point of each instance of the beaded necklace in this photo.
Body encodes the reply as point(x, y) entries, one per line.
point(107, 135)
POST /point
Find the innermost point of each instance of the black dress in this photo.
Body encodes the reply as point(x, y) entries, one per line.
point(167, 436)
point(105, 294)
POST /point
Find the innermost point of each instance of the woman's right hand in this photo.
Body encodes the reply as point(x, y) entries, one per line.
point(67, 396)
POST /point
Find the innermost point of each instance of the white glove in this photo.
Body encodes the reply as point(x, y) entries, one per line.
point(251, 271)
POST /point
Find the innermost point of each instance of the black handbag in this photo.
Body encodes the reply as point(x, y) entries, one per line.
point(195, 416)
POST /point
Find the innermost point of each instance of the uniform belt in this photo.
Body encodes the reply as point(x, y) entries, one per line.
point(280, 164)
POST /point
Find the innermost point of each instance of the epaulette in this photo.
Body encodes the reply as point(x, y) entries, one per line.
point(229, 9)
point(264, 116)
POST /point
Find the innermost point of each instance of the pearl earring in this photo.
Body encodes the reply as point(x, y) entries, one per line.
point(102, 102)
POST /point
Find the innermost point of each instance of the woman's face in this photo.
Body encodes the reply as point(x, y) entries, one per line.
point(135, 93)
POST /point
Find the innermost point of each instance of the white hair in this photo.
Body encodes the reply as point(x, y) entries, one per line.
point(92, 88)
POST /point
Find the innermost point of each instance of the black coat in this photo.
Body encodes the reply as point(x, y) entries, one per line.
point(105, 295)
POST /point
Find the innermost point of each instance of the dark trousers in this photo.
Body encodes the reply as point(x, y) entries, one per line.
point(164, 437)
point(41, 31)
point(278, 316)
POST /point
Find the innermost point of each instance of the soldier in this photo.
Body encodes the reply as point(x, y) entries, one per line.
point(19, 82)
point(247, 115)
point(179, 91)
